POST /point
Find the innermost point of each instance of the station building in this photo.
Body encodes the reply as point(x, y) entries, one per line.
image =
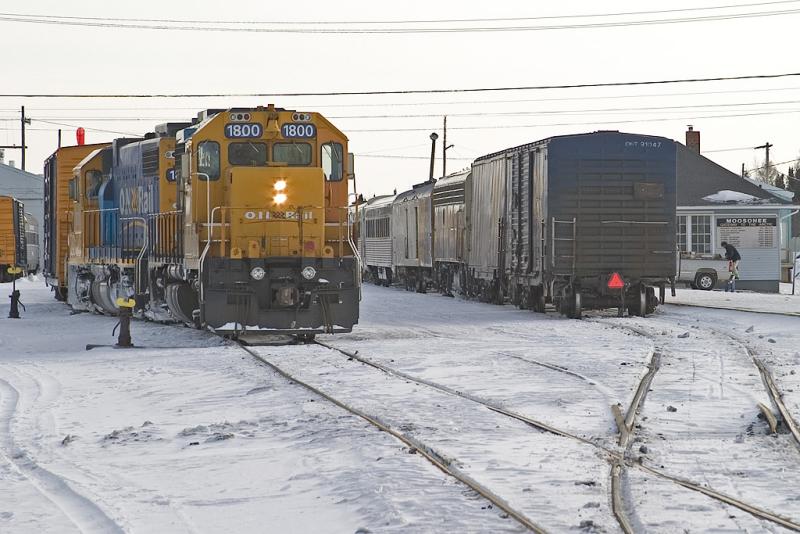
point(715, 205)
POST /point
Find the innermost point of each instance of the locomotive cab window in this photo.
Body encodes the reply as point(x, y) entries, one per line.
point(292, 154)
point(94, 179)
point(247, 154)
point(208, 160)
point(73, 189)
point(332, 158)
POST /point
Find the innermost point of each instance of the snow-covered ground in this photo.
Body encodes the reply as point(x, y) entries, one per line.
point(189, 434)
point(783, 302)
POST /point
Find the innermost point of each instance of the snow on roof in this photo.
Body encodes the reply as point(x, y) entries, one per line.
point(726, 196)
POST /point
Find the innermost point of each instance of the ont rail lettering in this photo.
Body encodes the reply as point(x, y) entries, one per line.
point(256, 216)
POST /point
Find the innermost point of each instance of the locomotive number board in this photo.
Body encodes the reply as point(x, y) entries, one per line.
point(293, 130)
point(245, 130)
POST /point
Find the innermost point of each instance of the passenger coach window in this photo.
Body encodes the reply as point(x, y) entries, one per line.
point(247, 154)
point(292, 153)
point(208, 160)
point(332, 158)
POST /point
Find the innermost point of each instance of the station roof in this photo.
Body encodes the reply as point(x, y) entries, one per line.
point(701, 182)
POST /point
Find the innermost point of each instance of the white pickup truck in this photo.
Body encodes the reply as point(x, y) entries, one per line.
point(702, 271)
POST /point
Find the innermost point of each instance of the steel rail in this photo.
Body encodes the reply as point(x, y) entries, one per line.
point(438, 460)
point(769, 384)
point(752, 510)
point(730, 308)
point(616, 499)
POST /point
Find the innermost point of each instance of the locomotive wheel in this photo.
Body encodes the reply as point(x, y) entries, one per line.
point(60, 294)
point(181, 301)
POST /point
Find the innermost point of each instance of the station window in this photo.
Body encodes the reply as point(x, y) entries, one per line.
point(701, 234)
point(682, 233)
point(247, 154)
point(292, 153)
point(208, 160)
point(332, 162)
point(694, 234)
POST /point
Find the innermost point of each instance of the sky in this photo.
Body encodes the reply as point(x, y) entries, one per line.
point(390, 133)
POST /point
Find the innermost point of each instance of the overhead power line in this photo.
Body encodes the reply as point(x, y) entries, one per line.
point(413, 21)
point(408, 91)
point(584, 123)
point(315, 106)
point(517, 113)
point(400, 31)
point(311, 29)
point(88, 128)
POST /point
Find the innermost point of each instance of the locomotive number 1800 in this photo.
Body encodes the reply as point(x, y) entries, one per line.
point(298, 130)
point(243, 129)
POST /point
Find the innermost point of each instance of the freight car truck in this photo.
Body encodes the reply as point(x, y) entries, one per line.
point(583, 221)
point(13, 248)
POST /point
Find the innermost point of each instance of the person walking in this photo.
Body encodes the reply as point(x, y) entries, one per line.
point(733, 257)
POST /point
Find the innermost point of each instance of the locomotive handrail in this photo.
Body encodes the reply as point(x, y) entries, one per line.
point(138, 264)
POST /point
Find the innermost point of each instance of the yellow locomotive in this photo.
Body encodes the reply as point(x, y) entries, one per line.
point(235, 221)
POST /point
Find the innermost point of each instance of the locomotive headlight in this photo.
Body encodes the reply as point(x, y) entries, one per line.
point(280, 185)
point(257, 273)
point(309, 272)
point(280, 198)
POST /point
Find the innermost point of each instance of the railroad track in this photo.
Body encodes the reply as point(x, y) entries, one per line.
point(438, 460)
point(618, 459)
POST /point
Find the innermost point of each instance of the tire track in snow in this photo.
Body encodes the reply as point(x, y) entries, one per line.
point(83, 513)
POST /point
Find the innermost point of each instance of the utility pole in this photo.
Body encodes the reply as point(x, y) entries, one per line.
point(445, 148)
point(24, 120)
point(434, 137)
point(765, 146)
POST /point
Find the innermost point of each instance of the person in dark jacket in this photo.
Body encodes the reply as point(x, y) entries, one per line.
point(733, 257)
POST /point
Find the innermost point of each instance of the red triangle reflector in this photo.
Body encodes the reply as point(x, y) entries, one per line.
point(615, 282)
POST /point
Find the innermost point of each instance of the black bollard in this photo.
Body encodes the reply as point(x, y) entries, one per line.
point(13, 313)
point(125, 315)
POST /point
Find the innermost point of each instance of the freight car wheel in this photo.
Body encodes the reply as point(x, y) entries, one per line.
point(577, 305)
point(641, 305)
point(538, 299)
point(652, 301)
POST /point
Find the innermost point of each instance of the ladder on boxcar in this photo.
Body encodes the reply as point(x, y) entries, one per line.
point(557, 238)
